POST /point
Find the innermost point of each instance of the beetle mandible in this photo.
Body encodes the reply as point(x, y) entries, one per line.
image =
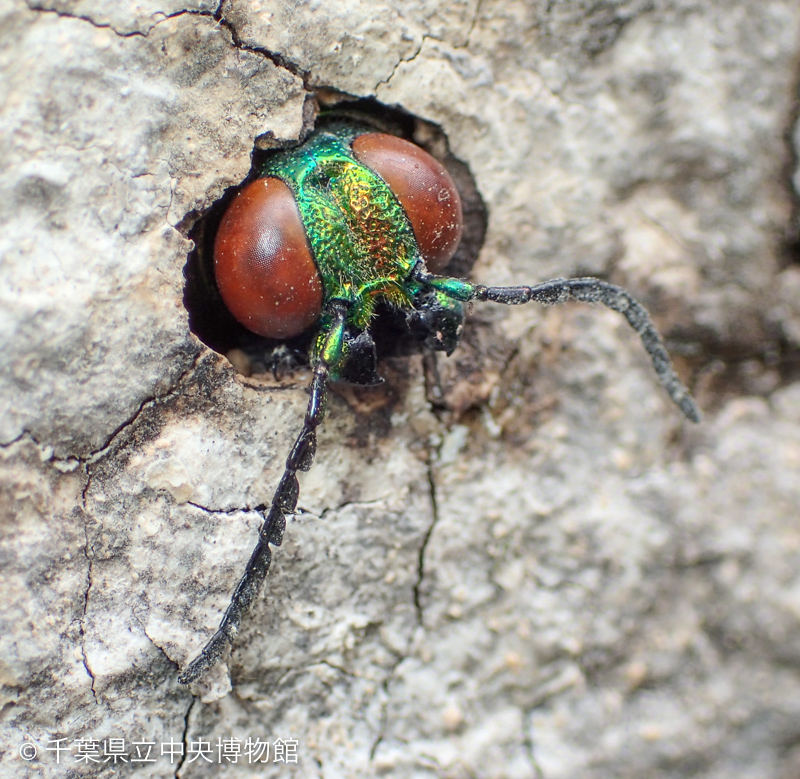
point(350, 218)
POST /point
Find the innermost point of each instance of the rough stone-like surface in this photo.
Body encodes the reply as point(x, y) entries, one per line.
point(554, 576)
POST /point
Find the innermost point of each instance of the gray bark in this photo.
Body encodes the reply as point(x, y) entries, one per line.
point(559, 577)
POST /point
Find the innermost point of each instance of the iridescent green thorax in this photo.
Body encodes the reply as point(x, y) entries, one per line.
point(359, 234)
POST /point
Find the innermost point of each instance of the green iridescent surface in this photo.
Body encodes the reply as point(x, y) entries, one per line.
point(360, 236)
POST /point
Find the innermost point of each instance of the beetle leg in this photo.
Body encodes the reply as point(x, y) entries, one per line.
point(586, 290)
point(284, 502)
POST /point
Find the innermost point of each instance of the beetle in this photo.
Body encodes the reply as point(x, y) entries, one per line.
point(326, 231)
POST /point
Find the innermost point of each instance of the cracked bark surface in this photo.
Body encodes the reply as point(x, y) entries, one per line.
point(552, 577)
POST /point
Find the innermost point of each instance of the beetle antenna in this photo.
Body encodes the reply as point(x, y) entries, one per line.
point(586, 290)
point(284, 502)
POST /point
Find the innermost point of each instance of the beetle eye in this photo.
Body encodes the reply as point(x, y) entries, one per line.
point(425, 190)
point(263, 264)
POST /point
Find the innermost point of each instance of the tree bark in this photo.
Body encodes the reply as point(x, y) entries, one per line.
point(553, 575)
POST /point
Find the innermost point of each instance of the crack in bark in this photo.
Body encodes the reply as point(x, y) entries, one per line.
point(528, 743)
point(8, 444)
point(97, 454)
point(119, 33)
point(472, 26)
point(152, 640)
point(333, 509)
point(262, 507)
point(274, 57)
point(88, 553)
point(385, 705)
point(85, 661)
point(227, 512)
point(374, 748)
point(417, 608)
point(74, 460)
point(87, 548)
point(172, 391)
point(402, 61)
point(339, 669)
point(423, 547)
point(184, 736)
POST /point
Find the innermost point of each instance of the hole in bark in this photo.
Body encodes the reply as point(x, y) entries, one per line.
point(213, 324)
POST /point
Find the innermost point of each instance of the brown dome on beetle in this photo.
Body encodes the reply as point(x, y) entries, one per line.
point(425, 190)
point(263, 264)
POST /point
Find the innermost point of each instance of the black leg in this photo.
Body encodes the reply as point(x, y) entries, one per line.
point(284, 502)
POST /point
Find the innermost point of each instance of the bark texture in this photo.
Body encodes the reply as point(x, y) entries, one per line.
point(554, 577)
